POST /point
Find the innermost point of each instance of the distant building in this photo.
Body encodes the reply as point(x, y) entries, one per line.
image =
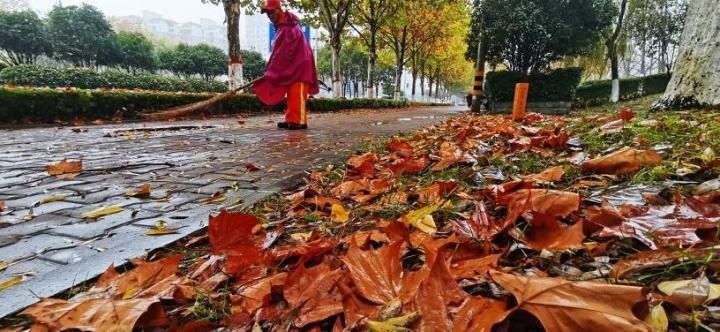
point(192, 33)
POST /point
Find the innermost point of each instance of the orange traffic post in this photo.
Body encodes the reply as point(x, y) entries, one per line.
point(520, 103)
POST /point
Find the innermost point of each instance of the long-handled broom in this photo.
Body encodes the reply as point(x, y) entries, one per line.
point(181, 111)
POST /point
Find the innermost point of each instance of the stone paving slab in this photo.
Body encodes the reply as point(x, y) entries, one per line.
point(184, 162)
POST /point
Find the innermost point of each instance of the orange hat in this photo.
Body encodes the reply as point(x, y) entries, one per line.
point(270, 5)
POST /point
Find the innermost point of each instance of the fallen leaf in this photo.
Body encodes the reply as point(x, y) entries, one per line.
point(251, 167)
point(91, 315)
point(562, 305)
point(479, 314)
point(65, 169)
point(304, 237)
point(624, 161)
point(556, 237)
point(10, 282)
point(362, 166)
point(652, 259)
point(104, 211)
point(214, 199)
point(435, 297)
point(339, 214)
point(161, 228)
point(140, 282)
point(3, 266)
point(690, 294)
point(626, 114)
point(231, 234)
point(251, 297)
point(401, 147)
point(143, 192)
point(54, 198)
point(2, 205)
point(435, 192)
point(378, 274)
point(314, 293)
point(551, 203)
point(552, 174)
point(474, 267)
point(658, 319)
point(422, 218)
point(480, 226)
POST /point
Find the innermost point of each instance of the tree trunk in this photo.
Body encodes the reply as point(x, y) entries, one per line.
point(414, 82)
point(370, 75)
point(696, 77)
point(613, 54)
point(337, 83)
point(235, 70)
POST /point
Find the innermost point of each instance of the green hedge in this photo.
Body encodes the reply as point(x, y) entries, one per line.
point(19, 105)
point(595, 93)
point(82, 78)
point(558, 85)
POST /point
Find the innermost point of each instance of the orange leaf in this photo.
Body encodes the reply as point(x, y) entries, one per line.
point(143, 192)
point(471, 268)
point(556, 238)
point(251, 297)
point(139, 282)
point(551, 174)
point(91, 315)
point(65, 169)
point(2, 205)
point(479, 314)
point(314, 292)
point(436, 191)
point(363, 165)
point(624, 161)
point(402, 148)
point(378, 274)
point(547, 202)
point(562, 305)
point(356, 308)
point(480, 225)
point(232, 234)
point(438, 292)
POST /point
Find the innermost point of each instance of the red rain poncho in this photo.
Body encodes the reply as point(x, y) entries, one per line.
point(291, 61)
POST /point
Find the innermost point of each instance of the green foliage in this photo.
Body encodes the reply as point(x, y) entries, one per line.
point(82, 36)
point(558, 85)
point(204, 60)
point(529, 35)
point(138, 52)
point(23, 37)
point(253, 65)
point(39, 76)
point(49, 105)
point(594, 93)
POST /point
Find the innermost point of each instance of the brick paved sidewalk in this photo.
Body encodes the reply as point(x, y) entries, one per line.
point(184, 162)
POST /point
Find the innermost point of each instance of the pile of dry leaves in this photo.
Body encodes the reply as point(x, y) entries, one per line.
point(427, 233)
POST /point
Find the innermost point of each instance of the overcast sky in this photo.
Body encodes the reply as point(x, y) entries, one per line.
point(177, 10)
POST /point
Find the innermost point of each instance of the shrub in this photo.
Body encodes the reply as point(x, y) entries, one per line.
point(39, 76)
point(19, 105)
point(655, 84)
point(594, 93)
point(558, 85)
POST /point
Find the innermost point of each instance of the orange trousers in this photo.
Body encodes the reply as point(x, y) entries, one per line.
point(297, 96)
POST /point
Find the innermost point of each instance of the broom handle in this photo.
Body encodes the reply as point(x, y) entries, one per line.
point(244, 86)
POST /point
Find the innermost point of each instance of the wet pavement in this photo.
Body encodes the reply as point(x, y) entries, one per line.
point(45, 239)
